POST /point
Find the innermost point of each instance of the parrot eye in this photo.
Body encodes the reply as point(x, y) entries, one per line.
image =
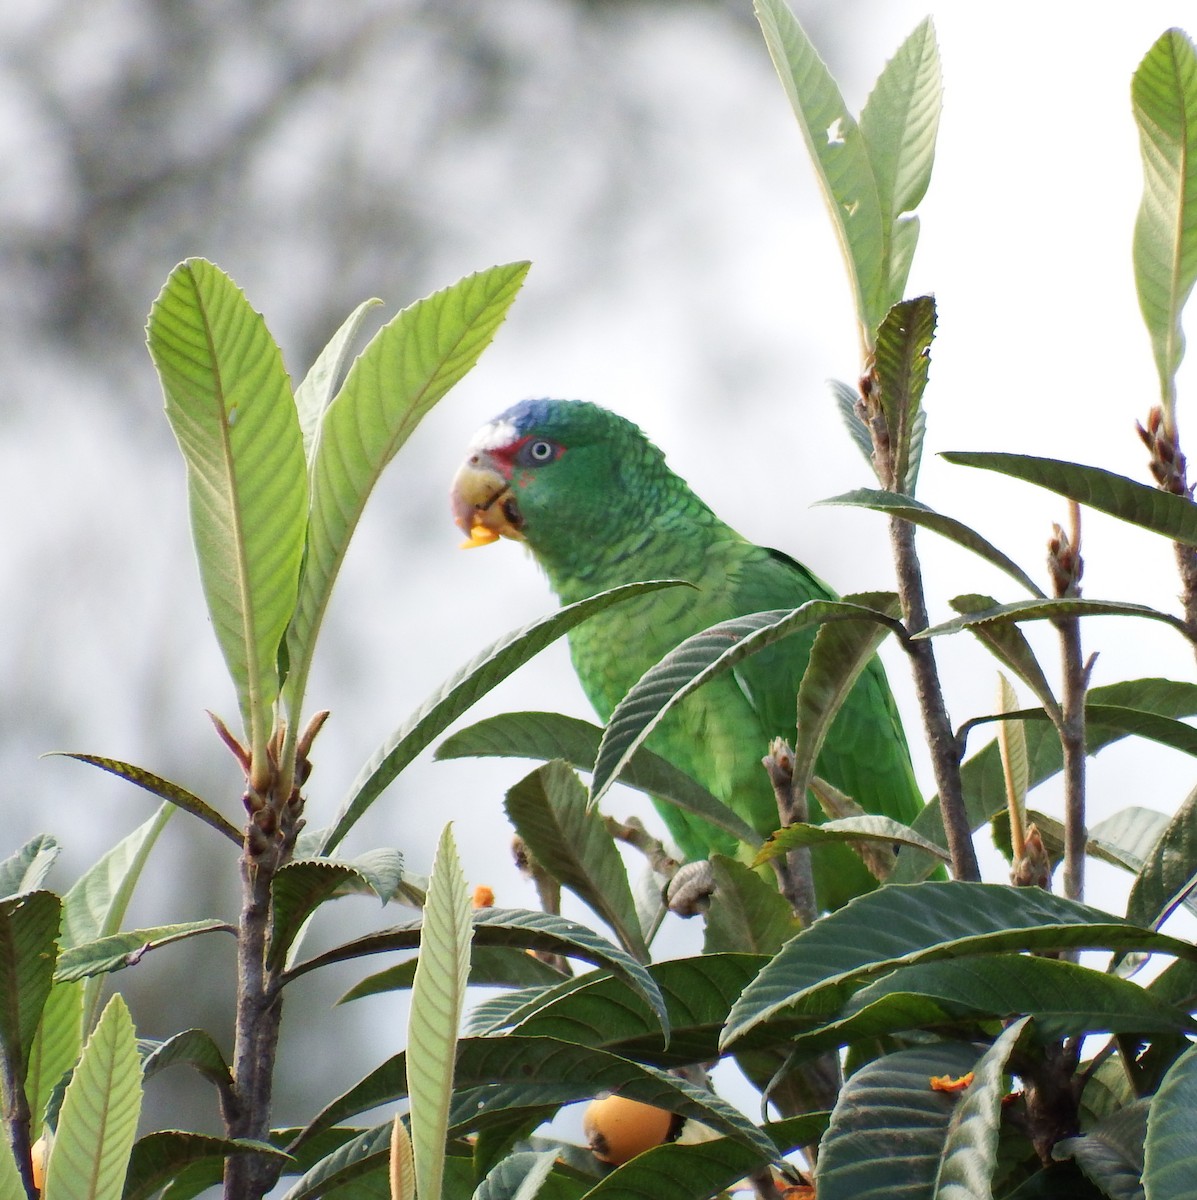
point(536, 452)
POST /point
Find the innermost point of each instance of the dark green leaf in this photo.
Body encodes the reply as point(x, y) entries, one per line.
point(747, 915)
point(1047, 610)
point(846, 399)
point(28, 931)
point(191, 1048)
point(367, 1152)
point(542, 735)
point(902, 359)
point(1111, 1152)
point(158, 1157)
point(297, 890)
point(490, 966)
point(570, 840)
point(1168, 875)
point(868, 828)
point(1162, 512)
point(462, 690)
point(120, 950)
point(1170, 1151)
point(917, 513)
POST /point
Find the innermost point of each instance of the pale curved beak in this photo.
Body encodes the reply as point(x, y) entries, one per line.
point(484, 507)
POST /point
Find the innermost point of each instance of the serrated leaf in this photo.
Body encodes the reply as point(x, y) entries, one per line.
point(817, 970)
point(917, 513)
point(1007, 643)
point(1045, 610)
point(164, 789)
point(1174, 517)
point(901, 361)
point(889, 1127)
point(869, 828)
point(158, 1158)
point(899, 124)
point(437, 1000)
point(1111, 1152)
point(840, 157)
point(320, 384)
point(297, 890)
point(26, 869)
point(55, 1049)
point(696, 661)
point(402, 1165)
point(969, 1155)
point(408, 366)
point(126, 949)
point(191, 1048)
point(570, 840)
point(98, 1121)
point(229, 403)
point(29, 926)
point(746, 915)
point(463, 689)
point(545, 735)
point(1164, 96)
point(1170, 1151)
point(368, 1152)
point(840, 652)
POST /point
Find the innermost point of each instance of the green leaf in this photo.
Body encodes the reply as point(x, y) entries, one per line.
point(1170, 871)
point(526, 929)
point(96, 904)
point(405, 370)
point(899, 124)
point(889, 1127)
point(840, 157)
point(570, 840)
point(164, 789)
point(437, 1001)
point(191, 1048)
point(1128, 837)
point(320, 384)
point(297, 890)
point(158, 1158)
point(902, 360)
point(1012, 745)
point(1044, 610)
point(1175, 517)
point(26, 869)
point(1007, 643)
point(817, 970)
point(544, 736)
point(846, 399)
point(1170, 1151)
point(229, 402)
point(747, 915)
point(120, 950)
point(366, 1153)
point(28, 928)
point(695, 661)
point(55, 1048)
point(869, 828)
point(517, 1177)
point(1111, 1152)
point(1164, 96)
point(970, 1150)
point(917, 513)
point(98, 1121)
point(11, 1186)
point(841, 651)
point(462, 690)
point(490, 966)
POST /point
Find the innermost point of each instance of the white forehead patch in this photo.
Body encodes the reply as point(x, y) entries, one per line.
point(494, 436)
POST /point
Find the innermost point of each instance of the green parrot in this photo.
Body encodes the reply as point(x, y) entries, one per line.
point(594, 501)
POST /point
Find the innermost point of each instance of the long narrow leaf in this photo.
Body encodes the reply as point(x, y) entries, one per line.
point(545, 736)
point(917, 513)
point(840, 157)
point(902, 360)
point(1170, 872)
point(120, 950)
point(437, 999)
point(405, 370)
point(230, 405)
point(1048, 610)
point(462, 690)
point(1175, 517)
point(695, 661)
point(98, 1121)
point(55, 1048)
point(28, 928)
point(1164, 95)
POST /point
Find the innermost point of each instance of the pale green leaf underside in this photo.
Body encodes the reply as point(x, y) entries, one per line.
point(1170, 1151)
point(1164, 96)
point(437, 999)
point(230, 405)
point(99, 1115)
point(407, 367)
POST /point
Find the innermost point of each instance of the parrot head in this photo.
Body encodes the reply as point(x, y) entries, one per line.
point(560, 475)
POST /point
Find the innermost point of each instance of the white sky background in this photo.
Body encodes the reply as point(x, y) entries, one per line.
point(725, 313)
